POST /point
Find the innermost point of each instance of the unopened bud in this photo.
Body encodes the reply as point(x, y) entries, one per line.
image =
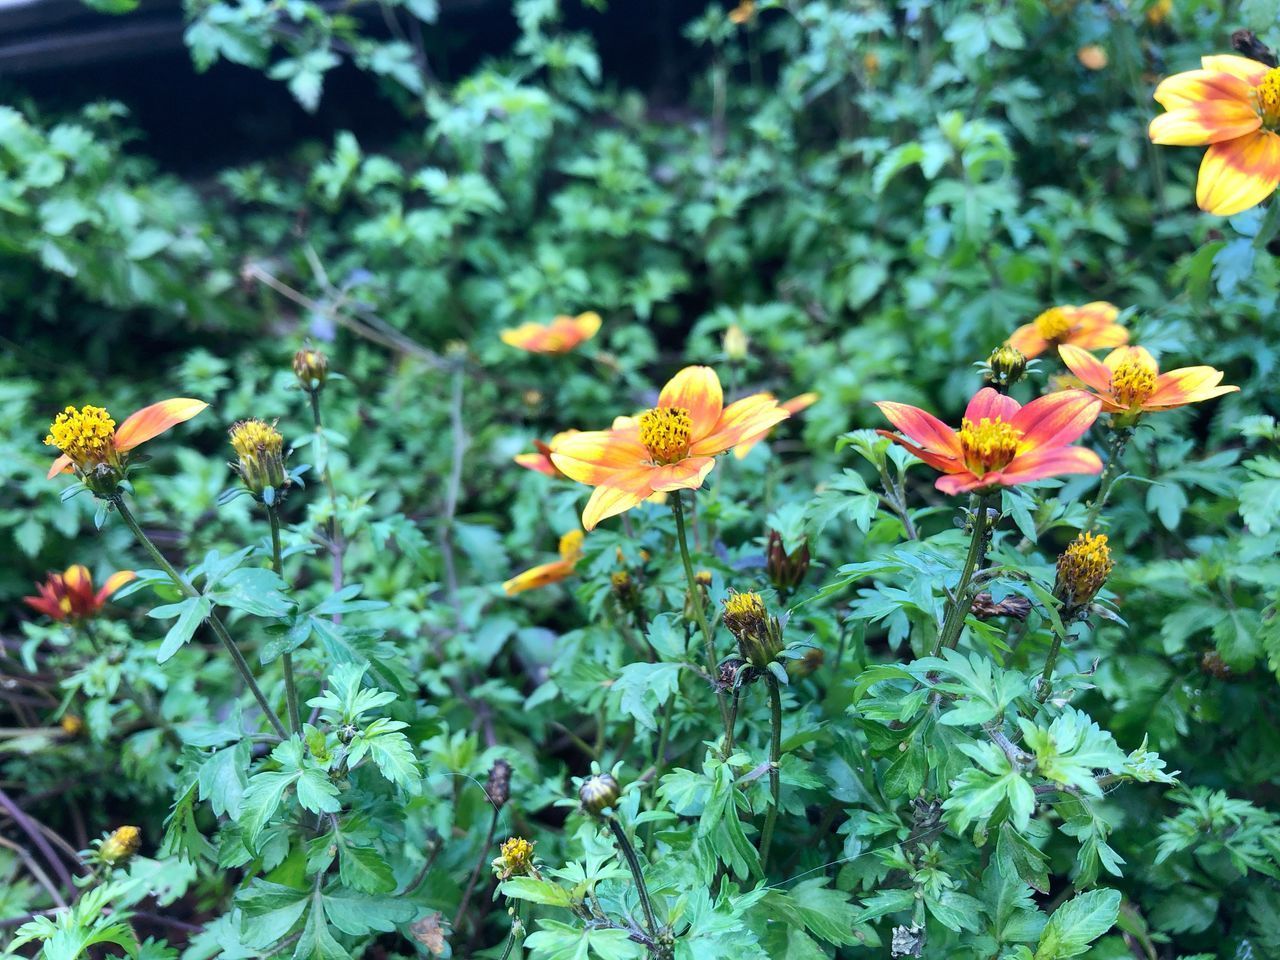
point(1006, 366)
point(759, 635)
point(311, 367)
point(120, 846)
point(1082, 570)
point(735, 343)
point(598, 793)
point(786, 570)
point(260, 449)
point(499, 786)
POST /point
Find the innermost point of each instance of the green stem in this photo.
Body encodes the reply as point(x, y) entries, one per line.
point(1270, 224)
point(331, 525)
point(629, 854)
point(775, 770)
point(1050, 661)
point(699, 614)
point(290, 684)
point(1119, 442)
point(949, 635)
point(475, 873)
point(216, 624)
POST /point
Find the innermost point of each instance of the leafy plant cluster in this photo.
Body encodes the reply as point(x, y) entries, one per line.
point(855, 199)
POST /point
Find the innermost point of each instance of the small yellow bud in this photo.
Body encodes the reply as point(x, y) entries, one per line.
point(598, 793)
point(516, 859)
point(1082, 570)
point(735, 343)
point(72, 725)
point(703, 578)
point(311, 367)
point(260, 449)
point(120, 846)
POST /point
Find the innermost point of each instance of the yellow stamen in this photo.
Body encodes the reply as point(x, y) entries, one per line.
point(1269, 97)
point(518, 852)
point(988, 444)
point(1132, 383)
point(571, 545)
point(86, 435)
point(665, 432)
point(1082, 569)
point(1053, 324)
point(260, 448)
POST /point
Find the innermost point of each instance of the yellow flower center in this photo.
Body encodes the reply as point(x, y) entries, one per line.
point(253, 438)
point(1053, 324)
point(571, 545)
point(741, 606)
point(1269, 97)
point(1083, 568)
point(1132, 383)
point(665, 432)
point(518, 852)
point(86, 435)
point(988, 444)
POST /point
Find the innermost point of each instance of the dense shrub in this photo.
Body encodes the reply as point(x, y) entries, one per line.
point(826, 705)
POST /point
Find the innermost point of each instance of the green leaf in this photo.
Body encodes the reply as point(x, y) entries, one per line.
point(364, 869)
point(1077, 923)
point(643, 687)
point(191, 613)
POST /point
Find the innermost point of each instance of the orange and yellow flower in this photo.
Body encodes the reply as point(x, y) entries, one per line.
point(670, 447)
point(1091, 326)
point(1129, 381)
point(559, 336)
point(792, 406)
point(70, 595)
point(1000, 442)
point(90, 442)
point(546, 574)
point(1231, 105)
point(540, 460)
point(744, 12)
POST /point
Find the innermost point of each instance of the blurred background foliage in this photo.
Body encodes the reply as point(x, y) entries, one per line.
point(875, 193)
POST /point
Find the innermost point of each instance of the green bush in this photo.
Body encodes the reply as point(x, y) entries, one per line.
point(819, 708)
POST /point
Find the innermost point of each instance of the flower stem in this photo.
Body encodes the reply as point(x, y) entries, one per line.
point(1050, 661)
point(1119, 442)
point(949, 635)
point(475, 873)
point(699, 614)
point(633, 862)
point(775, 772)
point(218, 628)
point(290, 685)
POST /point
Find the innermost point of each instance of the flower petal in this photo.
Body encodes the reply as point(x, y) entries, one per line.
point(991, 403)
point(922, 427)
point(527, 336)
point(1209, 121)
point(114, 583)
point(60, 465)
point(154, 420)
point(696, 389)
point(46, 605)
point(1121, 355)
point(1056, 418)
point(686, 474)
point(962, 482)
point(1049, 462)
point(1187, 385)
point(595, 456)
point(936, 460)
point(1192, 87)
point(538, 462)
point(1027, 340)
point(1238, 174)
point(1250, 71)
point(624, 491)
point(743, 421)
point(542, 575)
point(1092, 371)
point(587, 325)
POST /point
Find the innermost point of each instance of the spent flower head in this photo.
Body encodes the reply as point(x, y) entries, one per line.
point(1082, 570)
point(260, 449)
point(759, 635)
point(516, 859)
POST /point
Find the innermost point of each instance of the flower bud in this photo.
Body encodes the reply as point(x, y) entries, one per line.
point(598, 793)
point(702, 578)
point(1006, 366)
point(759, 635)
point(72, 725)
point(516, 859)
point(624, 589)
point(260, 448)
point(499, 786)
point(786, 570)
point(311, 367)
point(1082, 570)
point(120, 846)
point(735, 343)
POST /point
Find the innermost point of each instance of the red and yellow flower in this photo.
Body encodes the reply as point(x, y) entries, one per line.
point(540, 460)
point(546, 574)
point(1091, 326)
point(559, 336)
point(92, 445)
point(70, 596)
point(792, 406)
point(1231, 105)
point(1129, 381)
point(1000, 443)
point(670, 447)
